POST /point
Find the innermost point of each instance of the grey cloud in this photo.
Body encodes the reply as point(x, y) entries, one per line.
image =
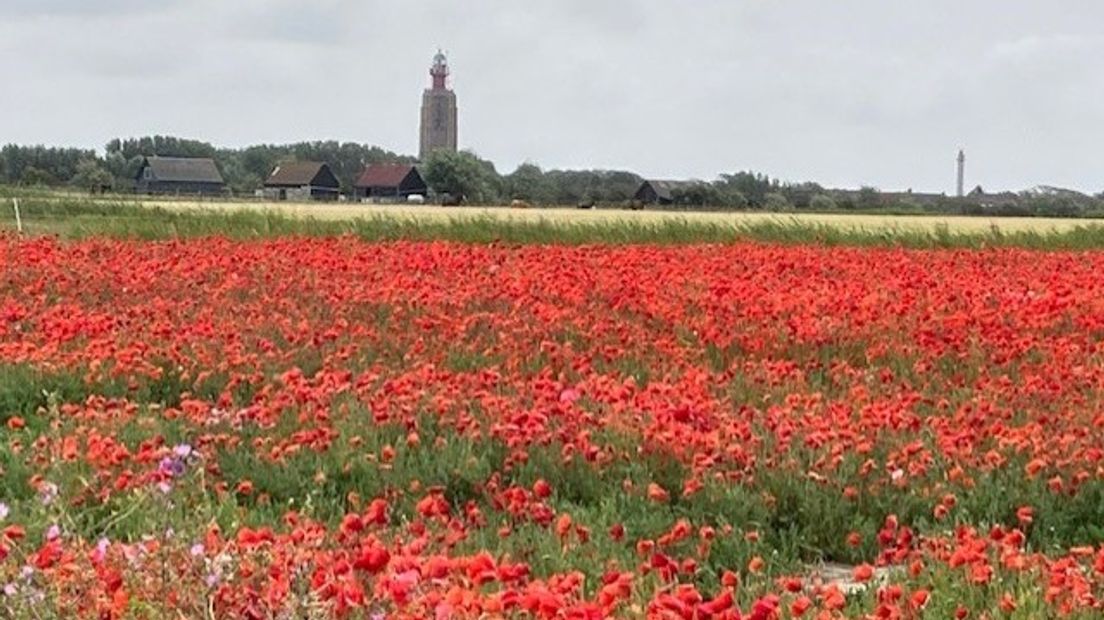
point(81, 8)
point(845, 93)
point(324, 23)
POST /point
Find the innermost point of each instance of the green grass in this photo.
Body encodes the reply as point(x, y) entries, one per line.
point(82, 218)
point(804, 520)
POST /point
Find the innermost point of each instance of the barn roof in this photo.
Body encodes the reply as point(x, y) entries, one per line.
point(384, 175)
point(663, 188)
point(184, 169)
point(296, 173)
point(921, 197)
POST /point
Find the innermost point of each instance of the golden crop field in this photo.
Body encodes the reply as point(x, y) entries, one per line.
point(345, 211)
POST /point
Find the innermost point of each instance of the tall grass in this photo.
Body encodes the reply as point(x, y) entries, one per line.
point(82, 218)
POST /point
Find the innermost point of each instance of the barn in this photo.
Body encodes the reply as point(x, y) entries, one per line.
point(659, 192)
point(390, 182)
point(179, 175)
point(302, 180)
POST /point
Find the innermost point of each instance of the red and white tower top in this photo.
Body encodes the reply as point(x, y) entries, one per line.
point(440, 71)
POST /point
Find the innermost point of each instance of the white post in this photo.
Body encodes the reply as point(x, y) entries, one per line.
point(18, 221)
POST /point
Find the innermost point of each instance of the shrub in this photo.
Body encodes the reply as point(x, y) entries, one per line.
point(822, 202)
point(776, 202)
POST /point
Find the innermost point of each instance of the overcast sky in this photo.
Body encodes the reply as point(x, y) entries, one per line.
point(845, 92)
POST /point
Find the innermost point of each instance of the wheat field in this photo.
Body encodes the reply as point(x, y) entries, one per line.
point(844, 221)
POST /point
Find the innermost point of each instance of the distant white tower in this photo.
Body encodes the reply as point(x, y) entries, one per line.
point(961, 173)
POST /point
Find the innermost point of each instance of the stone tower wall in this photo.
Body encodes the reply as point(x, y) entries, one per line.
point(439, 122)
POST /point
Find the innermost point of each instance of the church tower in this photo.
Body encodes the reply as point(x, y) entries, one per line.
point(438, 111)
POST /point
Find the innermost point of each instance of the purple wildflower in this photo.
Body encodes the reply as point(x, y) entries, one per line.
point(48, 493)
point(171, 466)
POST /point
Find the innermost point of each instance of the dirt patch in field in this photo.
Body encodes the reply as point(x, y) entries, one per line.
point(843, 577)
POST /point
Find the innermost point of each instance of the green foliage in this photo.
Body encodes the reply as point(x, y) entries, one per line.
point(822, 202)
point(246, 169)
point(40, 165)
point(162, 146)
point(318, 482)
point(24, 390)
point(529, 182)
point(801, 194)
point(37, 177)
point(243, 169)
point(463, 174)
point(696, 195)
point(570, 187)
point(122, 168)
point(91, 175)
point(752, 186)
point(776, 201)
point(869, 198)
point(732, 198)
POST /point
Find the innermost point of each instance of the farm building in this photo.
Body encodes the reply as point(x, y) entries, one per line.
point(390, 182)
point(911, 197)
point(179, 175)
point(659, 192)
point(1001, 199)
point(302, 180)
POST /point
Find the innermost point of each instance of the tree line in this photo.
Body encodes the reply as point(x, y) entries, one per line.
point(477, 180)
point(244, 170)
point(466, 174)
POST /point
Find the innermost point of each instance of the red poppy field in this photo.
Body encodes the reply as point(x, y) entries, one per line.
point(332, 428)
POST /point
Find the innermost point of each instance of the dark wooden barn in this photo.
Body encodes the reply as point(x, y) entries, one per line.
point(659, 192)
point(179, 175)
point(396, 182)
point(302, 180)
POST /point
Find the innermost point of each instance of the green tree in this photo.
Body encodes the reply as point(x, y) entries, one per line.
point(463, 174)
point(753, 186)
point(611, 186)
point(729, 196)
point(244, 170)
point(776, 201)
point(37, 177)
point(40, 165)
point(164, 146)
point(571, 187)
point(697, 195)
point(801, 194)
point(122, 169)
point(91, 175)
point(528, 182)
point(869, 198)
point(822, 202)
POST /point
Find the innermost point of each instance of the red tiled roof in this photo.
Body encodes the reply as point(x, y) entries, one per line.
point(384, 175)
